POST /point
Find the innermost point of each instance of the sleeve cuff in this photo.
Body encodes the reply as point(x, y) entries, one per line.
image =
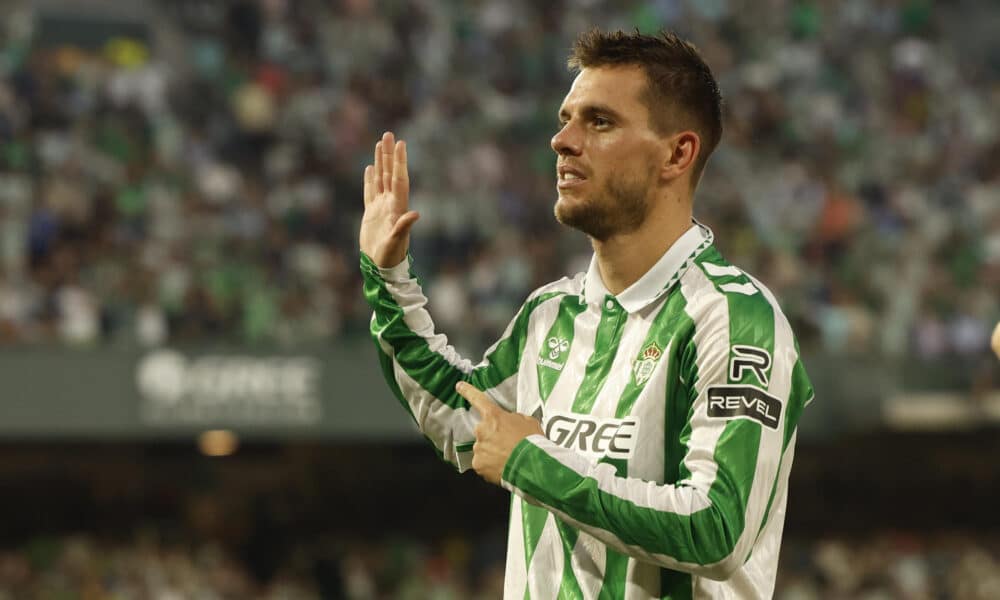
point(398, 273)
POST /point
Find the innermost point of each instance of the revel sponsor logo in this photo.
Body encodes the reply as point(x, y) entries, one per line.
point(591, 436)
point(728, 401)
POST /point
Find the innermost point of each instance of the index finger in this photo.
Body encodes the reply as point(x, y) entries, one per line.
point(478, 399)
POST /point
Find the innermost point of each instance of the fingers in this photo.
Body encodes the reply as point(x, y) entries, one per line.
point(388, 148)
point(378, 169)
point(389, 173)
point(369, 184)
point(400, 175)
point(479, 400)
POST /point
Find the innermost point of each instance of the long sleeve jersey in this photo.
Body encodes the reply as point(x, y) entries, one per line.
point(669, 414)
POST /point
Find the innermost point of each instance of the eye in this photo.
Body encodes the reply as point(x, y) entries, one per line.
point(602, 122)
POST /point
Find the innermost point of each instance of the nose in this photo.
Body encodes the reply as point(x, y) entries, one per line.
point(567, 141)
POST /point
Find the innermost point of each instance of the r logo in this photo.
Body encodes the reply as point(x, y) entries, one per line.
point(749, 357)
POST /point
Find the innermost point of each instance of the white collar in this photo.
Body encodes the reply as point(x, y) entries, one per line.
point(659, 278)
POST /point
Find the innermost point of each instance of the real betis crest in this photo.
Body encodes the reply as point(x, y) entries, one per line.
point(642, 368)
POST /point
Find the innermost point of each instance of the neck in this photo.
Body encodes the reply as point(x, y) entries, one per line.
point(624, 258)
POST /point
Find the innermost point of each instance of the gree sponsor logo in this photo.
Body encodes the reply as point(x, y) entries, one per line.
point(729, 401)
point(593, 437)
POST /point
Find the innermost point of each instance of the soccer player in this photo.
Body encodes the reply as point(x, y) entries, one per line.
point(643, 413)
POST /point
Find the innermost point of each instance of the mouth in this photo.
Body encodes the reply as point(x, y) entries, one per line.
point(569, 177)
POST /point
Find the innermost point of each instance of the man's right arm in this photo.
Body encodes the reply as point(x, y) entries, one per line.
point(419, 365)
point(422, 368)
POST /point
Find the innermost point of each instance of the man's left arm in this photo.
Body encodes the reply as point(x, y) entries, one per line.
point(737, 432)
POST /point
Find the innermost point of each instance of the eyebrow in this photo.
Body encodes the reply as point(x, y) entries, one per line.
point(590, 110)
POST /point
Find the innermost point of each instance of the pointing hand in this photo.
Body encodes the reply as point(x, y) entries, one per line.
point(497, 433)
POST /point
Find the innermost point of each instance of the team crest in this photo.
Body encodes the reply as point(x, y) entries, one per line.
point(642, 368)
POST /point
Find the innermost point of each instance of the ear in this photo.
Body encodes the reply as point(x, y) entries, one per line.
point(681, 151)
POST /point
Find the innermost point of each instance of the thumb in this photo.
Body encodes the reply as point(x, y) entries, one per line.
point(404, 223)
point(479, 400)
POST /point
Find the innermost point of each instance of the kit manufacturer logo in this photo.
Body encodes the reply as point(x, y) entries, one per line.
point(556, 347)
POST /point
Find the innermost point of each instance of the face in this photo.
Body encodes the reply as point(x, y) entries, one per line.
point(608, 153)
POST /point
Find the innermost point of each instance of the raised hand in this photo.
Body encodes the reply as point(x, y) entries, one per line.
point(385, 226)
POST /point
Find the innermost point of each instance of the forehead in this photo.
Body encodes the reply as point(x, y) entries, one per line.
point(620, 87)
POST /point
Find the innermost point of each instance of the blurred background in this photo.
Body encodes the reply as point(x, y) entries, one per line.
point(190, 406)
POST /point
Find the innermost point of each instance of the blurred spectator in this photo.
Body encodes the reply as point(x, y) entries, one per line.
point(882, 565)
point(203, 183)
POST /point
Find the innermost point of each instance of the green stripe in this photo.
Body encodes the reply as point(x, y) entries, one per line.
point(569, 588)
point(800, 392)
point(532, 523)
point(675, 585)
point(615, 563)
point(561, 331)
point(609, 334)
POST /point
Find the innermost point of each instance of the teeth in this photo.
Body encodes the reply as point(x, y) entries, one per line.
point(568, 175)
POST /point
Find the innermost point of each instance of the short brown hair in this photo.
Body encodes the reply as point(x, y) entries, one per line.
point(681, 91)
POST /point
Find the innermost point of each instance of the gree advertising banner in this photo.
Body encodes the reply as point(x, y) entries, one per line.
point(332, 393)
point(175, 389)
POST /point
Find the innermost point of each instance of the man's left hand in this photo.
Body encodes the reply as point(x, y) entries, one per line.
point(497, 433)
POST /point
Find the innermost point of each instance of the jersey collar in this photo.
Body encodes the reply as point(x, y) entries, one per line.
point(658, 279)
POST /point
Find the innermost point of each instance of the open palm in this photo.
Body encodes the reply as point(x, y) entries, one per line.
point(385, 226)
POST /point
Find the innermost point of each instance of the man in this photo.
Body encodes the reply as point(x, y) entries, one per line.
point(644, 413)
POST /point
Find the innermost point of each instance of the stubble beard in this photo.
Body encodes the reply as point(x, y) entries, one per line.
point(619, 208)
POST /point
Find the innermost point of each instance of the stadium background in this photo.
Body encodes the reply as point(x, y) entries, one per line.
point(179, 199)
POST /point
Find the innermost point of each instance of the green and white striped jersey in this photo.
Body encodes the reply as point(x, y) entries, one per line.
point(669, 413)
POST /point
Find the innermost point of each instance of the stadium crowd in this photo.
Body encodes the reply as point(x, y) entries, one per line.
point(204, 183)
point(883, 566)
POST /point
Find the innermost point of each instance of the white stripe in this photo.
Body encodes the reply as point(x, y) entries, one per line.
point(747, 289)
point(588, 562)
point(516, 572)
point(650, 409)
point(709, 310)
point(642, 580)
point(545, 571)
point(721, 271)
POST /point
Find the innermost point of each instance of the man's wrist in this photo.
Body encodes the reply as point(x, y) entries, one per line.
point(397, 272)
point(511, 467)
